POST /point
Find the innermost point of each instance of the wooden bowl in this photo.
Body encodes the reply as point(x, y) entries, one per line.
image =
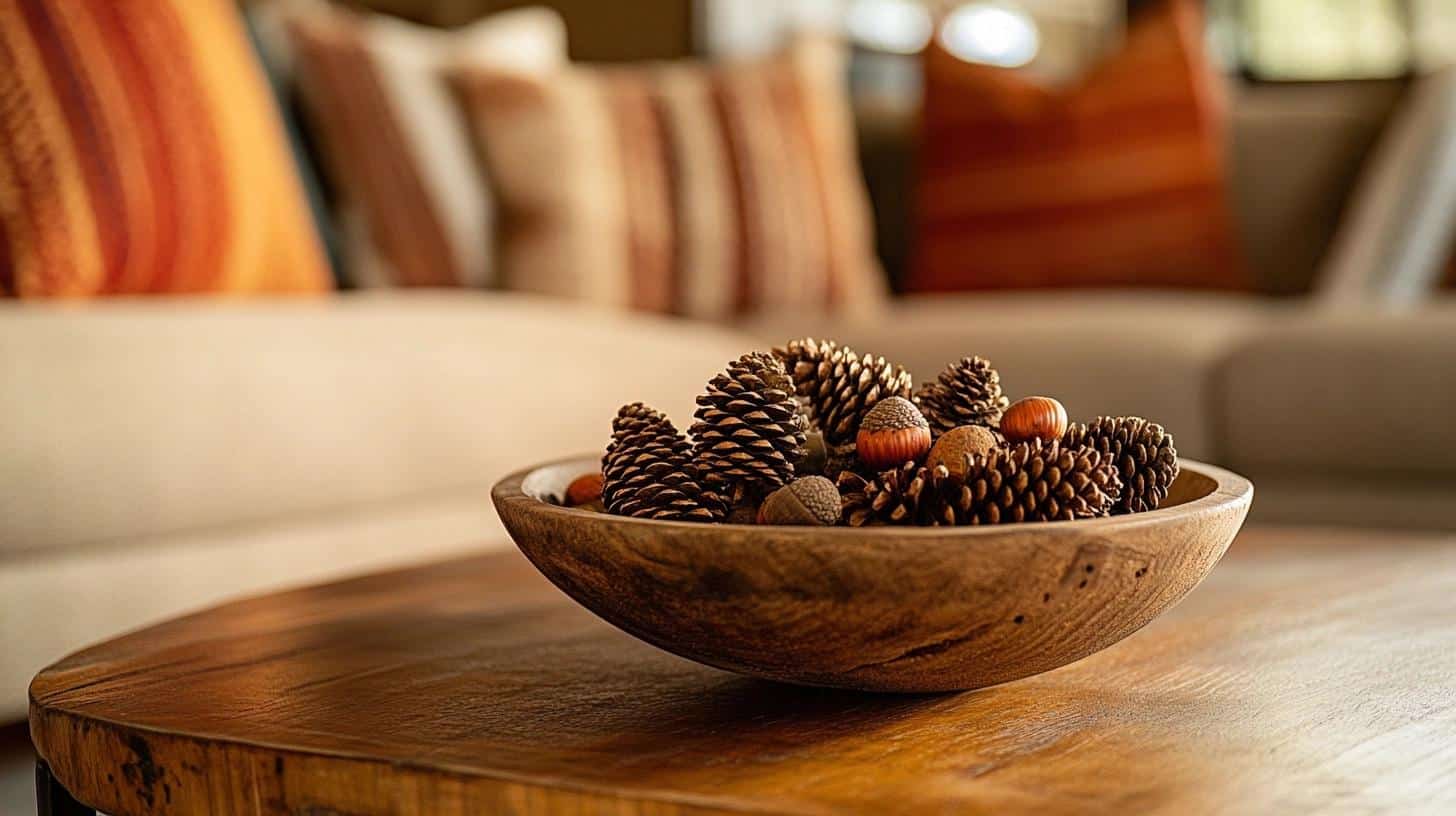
point(901, 609)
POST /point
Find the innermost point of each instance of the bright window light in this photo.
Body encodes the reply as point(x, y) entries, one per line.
point(893, 26)
point(990, 33)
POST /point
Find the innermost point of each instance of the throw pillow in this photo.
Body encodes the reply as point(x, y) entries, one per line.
point(1117, 180)
point(1396, 235)
point(415, 210)
point(680, 187)
point(140, 152)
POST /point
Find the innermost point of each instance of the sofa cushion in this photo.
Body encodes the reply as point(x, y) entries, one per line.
point(136, 418)
point(1340, 393)
point(145, 155)
point(1099, 353)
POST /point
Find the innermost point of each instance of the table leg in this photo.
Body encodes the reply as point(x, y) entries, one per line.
point(53, 800)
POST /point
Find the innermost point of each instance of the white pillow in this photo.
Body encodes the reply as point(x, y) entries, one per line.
point(1400, 224)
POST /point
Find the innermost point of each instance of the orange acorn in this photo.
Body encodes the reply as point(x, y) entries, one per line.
point(584, 489)
point(1034, 418)
point(892, 433)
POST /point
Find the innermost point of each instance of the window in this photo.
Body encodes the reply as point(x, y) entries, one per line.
point(1336, 39)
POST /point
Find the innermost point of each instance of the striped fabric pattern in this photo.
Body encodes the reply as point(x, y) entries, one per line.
point(140, 152)
point(1118, 181)
point(710, 191)
point(414, 208)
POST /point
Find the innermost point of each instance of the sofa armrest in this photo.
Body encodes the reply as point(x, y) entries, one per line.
point(1343, 393)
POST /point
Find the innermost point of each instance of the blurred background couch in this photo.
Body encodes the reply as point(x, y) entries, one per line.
point(1233, 218)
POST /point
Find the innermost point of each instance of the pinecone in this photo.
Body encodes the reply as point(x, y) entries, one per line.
point(965, 393)
point(891, 497)
point(1030, 481)
point(646, 471)
point(1142, 452)
point(749, 433)
point(839, 386)
point(677, 496)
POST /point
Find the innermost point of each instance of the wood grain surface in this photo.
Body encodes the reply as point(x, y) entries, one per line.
point(1313, 671)
point(908, 609)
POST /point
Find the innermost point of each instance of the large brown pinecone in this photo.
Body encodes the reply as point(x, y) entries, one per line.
point(838, 386)
point(1142, 452)
point(749, 433)
point(891, 497)
point(965, 393)
point(1030, 481)
point(647, 473)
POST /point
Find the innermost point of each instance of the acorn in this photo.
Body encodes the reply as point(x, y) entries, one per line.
point(1034, 418)
point(892, 433)
point(953, 449)
point(810, 500)
point(584, 489)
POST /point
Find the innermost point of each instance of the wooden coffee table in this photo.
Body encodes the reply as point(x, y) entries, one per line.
point(1314, 671)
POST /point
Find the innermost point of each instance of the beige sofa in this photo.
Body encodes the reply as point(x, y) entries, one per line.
point(160, 455)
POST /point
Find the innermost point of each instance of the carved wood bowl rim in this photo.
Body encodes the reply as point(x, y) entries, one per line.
point(1225, 489)
point(890, 609)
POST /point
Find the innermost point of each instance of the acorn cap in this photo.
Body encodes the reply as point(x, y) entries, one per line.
point(811, 500)
point(892, 414)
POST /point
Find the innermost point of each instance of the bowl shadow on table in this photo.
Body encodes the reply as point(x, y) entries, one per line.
point(928, 747)
point(537, 691)
point(616, 711)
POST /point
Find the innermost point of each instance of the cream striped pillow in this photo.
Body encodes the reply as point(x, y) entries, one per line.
point(414, 209)
point(703, 190)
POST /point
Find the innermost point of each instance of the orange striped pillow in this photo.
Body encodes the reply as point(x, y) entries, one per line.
point(686, 188)
point(140, 153)
point(1117, 181)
